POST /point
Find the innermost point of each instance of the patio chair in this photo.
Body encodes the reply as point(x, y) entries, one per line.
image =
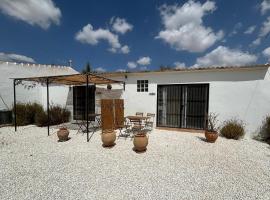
point(150, 122)
point(81, 123)
point(139, 114)
point(136, 125)
point(123, 125)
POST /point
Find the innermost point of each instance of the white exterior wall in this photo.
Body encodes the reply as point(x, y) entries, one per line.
point(240, 93)
point(58, 94)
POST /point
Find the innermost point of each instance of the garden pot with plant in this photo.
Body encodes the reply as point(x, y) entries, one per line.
point(211, 133)
point(108, 138)
point(140, 141)
point(62, 134)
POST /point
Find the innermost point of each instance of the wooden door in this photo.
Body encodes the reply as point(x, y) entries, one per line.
point(107, 114)
point(112, 113)
point(119, 113)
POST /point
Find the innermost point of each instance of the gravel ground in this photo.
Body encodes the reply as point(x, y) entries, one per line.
point(175, 166)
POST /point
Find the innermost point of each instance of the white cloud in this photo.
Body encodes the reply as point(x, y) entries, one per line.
point(131, 65)
point(121, 70)
point(250, 30)
point(100, 69)
point(35, 12)
point(236, 28)
point(144, 61)
point(125, 49)
point(224, 56)
point(179, 65)
point(184, 29)
point(256, 42)
point(90, 36)
point(265, 6)
point(143, 68)
point(266, 52)
point(15, 58)
point(120, 25)
point(265, 29)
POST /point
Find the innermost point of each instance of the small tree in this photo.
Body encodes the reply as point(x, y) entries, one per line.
point(87, 68)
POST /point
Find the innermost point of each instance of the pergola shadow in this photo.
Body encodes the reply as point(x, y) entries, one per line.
point(70, 80)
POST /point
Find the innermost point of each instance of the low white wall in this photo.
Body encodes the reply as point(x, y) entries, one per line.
point(35, 94)
point(238, 93)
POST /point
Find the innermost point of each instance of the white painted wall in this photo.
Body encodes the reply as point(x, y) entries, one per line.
point(58, 94)
point(238, 93)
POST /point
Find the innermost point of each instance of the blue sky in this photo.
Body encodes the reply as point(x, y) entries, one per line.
point(135, 35)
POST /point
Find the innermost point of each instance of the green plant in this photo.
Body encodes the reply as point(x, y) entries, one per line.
point(26, 113)
point(58, 115)
point(41, 119)
point(212, 122)
point(33, 113)
point(233, 129)
point(264, 133)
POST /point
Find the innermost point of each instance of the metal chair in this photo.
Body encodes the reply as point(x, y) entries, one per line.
point(150, 122)
point(136, 125)
point(139, 114)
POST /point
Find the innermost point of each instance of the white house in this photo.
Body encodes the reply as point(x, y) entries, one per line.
point(178, 98)
point(181, 98)
point(27, 91)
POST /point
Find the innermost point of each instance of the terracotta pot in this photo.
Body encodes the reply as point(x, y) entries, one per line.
point(140, 142)
point(108, 138)
point(211, 136)
point(62, 134)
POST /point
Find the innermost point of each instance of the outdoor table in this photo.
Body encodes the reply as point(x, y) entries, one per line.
point(83, 123)
point(135, 117)
point(96, 118)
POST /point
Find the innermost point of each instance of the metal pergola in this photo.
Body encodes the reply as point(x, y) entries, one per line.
point(71, 80)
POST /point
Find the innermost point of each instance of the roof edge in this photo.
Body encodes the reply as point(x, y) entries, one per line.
point(188, 70)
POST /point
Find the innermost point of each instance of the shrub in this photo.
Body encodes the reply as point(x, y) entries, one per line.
point(26, 113)
point(33, 113)
point(41, 118)
point(264, 133)
point(58, 115)
point(233, 129)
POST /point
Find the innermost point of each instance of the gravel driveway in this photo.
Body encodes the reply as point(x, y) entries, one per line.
point(176, 166)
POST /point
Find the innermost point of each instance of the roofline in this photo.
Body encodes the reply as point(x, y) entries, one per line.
point(190, 70)
point(36, 64)
point(41, 78)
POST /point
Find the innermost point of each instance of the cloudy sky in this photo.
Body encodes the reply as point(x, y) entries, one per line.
point(135, 35)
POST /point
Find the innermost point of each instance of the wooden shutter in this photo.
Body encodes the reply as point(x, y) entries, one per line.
point(119, 113)
point(107, 114)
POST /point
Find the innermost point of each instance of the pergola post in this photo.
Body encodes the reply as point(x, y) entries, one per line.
point(48, 107)
point(15, 109)
point(87, 125)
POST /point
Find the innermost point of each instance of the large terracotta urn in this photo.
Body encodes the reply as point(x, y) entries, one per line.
point(108, 138)
point(211, 136)
point(62, 134)
point(140, 142)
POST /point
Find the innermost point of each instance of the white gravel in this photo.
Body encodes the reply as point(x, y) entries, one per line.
point(175, 166)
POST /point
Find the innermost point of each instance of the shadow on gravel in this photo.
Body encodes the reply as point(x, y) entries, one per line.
point(64, 140)
point(201, 138)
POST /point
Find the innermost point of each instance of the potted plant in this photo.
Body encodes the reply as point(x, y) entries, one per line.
point(108, 137)
point(140, 141)
point(109, 87)
point(62, 134)
point(211, 133)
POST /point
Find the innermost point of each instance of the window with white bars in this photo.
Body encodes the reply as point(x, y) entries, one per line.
point(142, 85)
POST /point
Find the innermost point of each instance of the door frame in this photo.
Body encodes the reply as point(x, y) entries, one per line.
point(183, 84)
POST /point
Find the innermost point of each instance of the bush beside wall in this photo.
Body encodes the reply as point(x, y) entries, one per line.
point(233, 129)
point(33, 113)
point(264, 133)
